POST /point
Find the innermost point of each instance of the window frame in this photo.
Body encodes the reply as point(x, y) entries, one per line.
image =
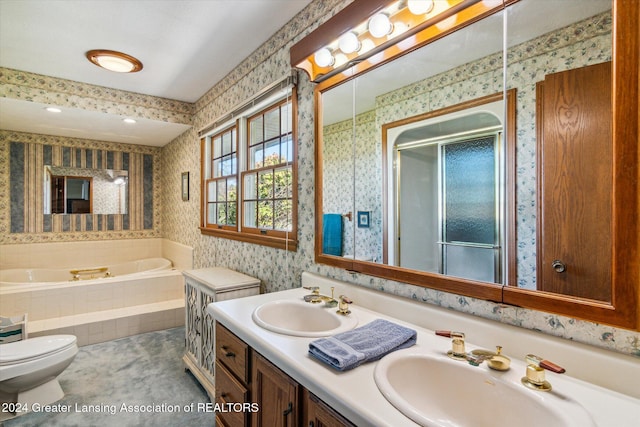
point(233, 129)
point(280, 239)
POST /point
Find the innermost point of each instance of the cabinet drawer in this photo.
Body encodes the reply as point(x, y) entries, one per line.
point(229, 390)
point(232, 352)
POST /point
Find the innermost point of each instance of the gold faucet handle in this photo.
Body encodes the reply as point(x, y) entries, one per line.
point(532, 359)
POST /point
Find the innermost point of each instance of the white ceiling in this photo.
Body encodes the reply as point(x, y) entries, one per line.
point(186, 46)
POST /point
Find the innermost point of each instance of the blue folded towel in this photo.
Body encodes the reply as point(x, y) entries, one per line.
point(370, 342)
point(332, 234)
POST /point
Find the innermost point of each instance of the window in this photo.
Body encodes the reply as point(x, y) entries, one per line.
point(249, 175)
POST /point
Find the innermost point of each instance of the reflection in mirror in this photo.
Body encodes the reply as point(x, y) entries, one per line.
point(542, 38)
point(447, 191)
point(568, 35)
point(70, 190)
point(425, 80)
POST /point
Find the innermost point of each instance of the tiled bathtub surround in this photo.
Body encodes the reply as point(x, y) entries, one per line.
point(101, 309)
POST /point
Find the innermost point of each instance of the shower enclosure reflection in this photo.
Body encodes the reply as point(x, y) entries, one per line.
point(448, 192)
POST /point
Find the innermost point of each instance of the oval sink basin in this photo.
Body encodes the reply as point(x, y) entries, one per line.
point(302, 319)
point(437, 391)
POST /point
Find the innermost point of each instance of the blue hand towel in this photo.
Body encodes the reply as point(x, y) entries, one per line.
point(370, 342)
point(332, 234)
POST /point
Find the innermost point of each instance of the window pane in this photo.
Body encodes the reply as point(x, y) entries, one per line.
point(287, 149)
point(250, 214)
point(282, 184)
point(217, 145)
point(256, 157)
point(282, 215)
point(211, 213)
point(222, 213)
point(227, 141)
point(211, 191)
point(217, 168)
point(232, 214)
point(222, 191)
point(272, 123)
point(255, 131)
point(272, 152)
point(227, 165)
point(285, 118)
point(232, 189)
point(265, 215)
point(265, 185)
point(250, 188)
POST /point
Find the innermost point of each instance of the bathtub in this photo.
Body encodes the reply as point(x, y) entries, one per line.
point(136, 297)
point(36, 277)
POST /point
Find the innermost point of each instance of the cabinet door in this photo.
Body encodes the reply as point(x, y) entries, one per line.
point(193, 321)
point(575, 177)
point(318, 414)
point(275, 393)
point(207, 351)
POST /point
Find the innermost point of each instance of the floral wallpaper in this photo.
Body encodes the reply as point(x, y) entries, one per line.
point(279, 269)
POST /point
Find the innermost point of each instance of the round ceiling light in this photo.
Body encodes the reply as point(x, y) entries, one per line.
point(114, 61)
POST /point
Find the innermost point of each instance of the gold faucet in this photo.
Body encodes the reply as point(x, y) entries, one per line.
point(534, 377)
point(315, 297)
point(495, 360)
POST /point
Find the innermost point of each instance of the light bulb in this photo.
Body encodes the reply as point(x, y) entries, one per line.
point(379, 25)
point(113, 63)
point(323, 58)
point(420, 7)
point(349, 42)
point(366, 46)
point(340, 60)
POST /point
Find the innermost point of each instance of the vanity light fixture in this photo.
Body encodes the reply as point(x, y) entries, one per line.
point(368, 28)
point(53, 110)
point(114, 61)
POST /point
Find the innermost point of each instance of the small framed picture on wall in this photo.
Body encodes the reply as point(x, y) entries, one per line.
point(363, 219)
point(185, 186)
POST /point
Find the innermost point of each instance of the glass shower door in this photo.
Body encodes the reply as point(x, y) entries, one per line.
point(470, 234)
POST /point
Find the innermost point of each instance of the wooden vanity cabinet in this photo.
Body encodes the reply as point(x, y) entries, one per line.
point(316, 413)
point(245, 376)
point(276, 394)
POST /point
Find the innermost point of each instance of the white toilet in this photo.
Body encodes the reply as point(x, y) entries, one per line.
point(29, 368)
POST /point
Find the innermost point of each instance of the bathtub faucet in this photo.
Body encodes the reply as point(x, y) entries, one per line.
point(92, 271)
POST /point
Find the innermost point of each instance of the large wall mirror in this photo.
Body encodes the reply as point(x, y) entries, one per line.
point(70, 190)
point(488, 162)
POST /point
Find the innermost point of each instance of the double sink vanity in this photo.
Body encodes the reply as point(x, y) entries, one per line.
point(269, 336)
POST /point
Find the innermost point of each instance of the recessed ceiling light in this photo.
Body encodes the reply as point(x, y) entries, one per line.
point(128, 120)
point(114, 61)
point(53, 110)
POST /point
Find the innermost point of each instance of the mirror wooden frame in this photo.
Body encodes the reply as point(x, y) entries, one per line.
point(623, 309)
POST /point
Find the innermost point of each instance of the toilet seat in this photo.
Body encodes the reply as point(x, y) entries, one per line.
point(34, 348)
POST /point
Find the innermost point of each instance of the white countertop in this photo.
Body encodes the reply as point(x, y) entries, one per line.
point(354, 393)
